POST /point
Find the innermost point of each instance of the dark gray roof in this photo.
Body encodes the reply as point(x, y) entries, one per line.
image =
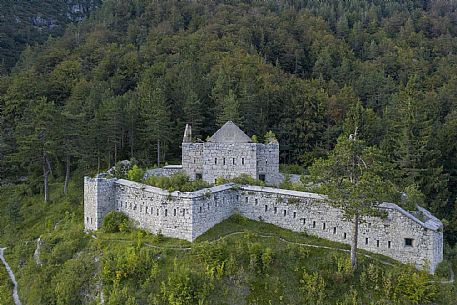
point(230, 133)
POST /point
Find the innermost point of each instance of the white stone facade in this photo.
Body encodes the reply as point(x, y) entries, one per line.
point(230, 153)
point(401, 235)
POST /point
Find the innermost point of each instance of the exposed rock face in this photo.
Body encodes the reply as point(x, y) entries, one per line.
point(29, 22)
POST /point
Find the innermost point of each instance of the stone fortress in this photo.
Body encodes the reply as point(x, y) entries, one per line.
point(413, 238)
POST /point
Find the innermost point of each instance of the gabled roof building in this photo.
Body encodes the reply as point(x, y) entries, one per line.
point(229, 153)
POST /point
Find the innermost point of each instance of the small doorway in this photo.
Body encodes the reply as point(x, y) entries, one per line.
point(198, 176)
point(262, 177)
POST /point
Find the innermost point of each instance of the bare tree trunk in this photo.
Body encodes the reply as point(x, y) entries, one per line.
point(98, 163)
point(109, 159)
point(158, 152)
point(131, 140)
point(67, 175)
point(355, 236)
point(115, 153)
point(46, 177)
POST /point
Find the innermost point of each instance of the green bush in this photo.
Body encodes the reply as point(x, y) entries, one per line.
point(136, 174)
point(292, 169)
point(116, 222)
point(177, 182)
point(443, 270)
point(246, 179)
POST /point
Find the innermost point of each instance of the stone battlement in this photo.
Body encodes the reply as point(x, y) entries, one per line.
point(186, 215)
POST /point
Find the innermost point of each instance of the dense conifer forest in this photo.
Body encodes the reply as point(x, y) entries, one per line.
point(126, 80)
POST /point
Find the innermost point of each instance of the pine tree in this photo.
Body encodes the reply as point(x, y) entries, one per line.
point(352, 177)
point(193, 111)
point(36, 139)
point(156, 114)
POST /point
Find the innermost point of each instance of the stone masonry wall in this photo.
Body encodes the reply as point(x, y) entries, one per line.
point(188, 215)
point(306, 212)
point(268, 163)
point(192, 159)
point(98, 201)
point(154, 209)
point(228, 160)
point(212, 206)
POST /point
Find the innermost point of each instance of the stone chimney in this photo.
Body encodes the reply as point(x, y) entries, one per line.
point(187, 134)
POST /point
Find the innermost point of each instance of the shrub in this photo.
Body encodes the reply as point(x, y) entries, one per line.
point(177, 182)
point(136, 174)
point(246, 179)
point(443, 269)
point(116, 222)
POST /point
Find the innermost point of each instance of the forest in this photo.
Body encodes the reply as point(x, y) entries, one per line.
point(125, 81)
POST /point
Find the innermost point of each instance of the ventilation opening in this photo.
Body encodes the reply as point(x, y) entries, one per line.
point(295, 214)
point(366, 241)
point(256, 201)
point(377, 243)
point(344, 236)
point(408, 242)
point(389, 244)
point(215, 161)
point(285, 212)
point(276, 210)
point(242, 161)
point(334, 230)
point(323, 226)
point(223, 161)
point(266, 208)
point(233, 161)
point(314, 224)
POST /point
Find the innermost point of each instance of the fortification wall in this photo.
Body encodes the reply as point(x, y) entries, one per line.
point(413, 239)
point(229, 160)
point(306, 212)
point(98, 201)
point(154, 209)
point(212, 206)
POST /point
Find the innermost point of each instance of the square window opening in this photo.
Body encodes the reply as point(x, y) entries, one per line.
point(408, 242)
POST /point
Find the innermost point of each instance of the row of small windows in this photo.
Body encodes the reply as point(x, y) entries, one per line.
point(150, 210)
point(224, 163)
point(408, 242)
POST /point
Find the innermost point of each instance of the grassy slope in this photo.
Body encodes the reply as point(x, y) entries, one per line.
point(140, 268)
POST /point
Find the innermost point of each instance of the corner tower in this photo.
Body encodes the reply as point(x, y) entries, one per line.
point(99, 200)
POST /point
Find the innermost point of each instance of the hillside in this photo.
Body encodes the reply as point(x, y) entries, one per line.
point(122, 84)
point(237, 262)
point(25, 23)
